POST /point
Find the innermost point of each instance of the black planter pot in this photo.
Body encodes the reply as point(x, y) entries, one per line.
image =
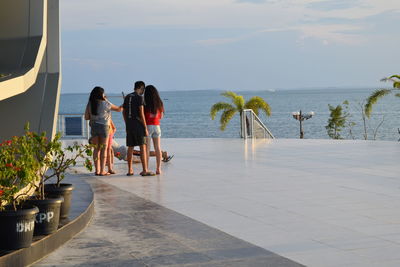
point(48, 217)
point(65, 191)
point(16, 227)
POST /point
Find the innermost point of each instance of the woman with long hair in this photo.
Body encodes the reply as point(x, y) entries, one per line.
point(98, 111)
point(153, 112)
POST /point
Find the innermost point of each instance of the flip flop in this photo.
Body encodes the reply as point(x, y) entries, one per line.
point(106, 174)
point(129, 174)
point(112, 172)
point(97, 174)
point(168, 158)
point(147, 174)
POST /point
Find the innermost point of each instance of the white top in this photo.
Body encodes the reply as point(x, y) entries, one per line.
point(103, 113)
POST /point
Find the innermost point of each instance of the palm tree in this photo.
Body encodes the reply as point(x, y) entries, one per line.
point(255, 103)
point(378, 94)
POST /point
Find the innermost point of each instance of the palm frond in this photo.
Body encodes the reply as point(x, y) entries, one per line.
point(219, 106)
point(238, 100)
point(226, 117)
point(230, 94)
point(395, 79)
point(373, 98)
point(395, 76)
point(256, 103)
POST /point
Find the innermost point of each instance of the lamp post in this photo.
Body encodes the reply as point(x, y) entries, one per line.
point(301, 117)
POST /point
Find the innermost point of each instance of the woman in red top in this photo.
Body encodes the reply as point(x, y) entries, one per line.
point(153, 112)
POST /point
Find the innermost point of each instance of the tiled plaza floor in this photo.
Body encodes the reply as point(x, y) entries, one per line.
point(316, 202)
point(130, 231)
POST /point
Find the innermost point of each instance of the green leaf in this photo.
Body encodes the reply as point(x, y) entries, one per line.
point(256, 103)
point(218, 107)
point(226, 116)
point(237, 100)
point(394, 76)
point(373, 98)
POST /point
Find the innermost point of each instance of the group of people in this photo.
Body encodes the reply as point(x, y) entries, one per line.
point(142, 111)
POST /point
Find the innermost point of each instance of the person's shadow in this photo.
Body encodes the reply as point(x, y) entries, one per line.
point(398, 129)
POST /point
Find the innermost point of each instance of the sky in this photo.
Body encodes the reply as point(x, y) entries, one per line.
point(228, 44)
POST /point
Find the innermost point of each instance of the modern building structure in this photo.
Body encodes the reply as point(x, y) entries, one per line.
point(30, 72)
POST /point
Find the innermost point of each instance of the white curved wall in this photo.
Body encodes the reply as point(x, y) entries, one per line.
point(31, 42)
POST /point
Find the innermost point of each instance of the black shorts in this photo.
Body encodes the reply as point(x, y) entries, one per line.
point(135, 138)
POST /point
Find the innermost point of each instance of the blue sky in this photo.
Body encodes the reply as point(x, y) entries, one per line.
point(228, 44)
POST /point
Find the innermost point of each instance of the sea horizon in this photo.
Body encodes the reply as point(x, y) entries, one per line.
point(187, 113)
point(113, 93)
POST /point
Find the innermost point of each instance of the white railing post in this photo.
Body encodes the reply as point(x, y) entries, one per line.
point(249, 131)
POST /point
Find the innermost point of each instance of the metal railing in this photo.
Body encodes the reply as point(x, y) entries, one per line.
point(72, 125)
point(252, 127)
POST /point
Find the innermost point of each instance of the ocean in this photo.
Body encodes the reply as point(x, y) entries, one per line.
point(187, 113)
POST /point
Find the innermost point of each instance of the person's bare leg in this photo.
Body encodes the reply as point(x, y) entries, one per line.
point(96, 155)
point(110, 159)
point(152, 153)
point(143, 158)
point(157, 150)
point(148, 144)
point(103, 154)
point(129, 159)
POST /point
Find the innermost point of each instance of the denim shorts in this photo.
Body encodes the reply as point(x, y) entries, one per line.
point(154, 131)
point(98, 129)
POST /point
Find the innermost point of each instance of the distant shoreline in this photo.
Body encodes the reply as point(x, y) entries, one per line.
point(271, 90)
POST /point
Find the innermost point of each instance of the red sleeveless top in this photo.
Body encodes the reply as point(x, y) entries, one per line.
point(152, 119)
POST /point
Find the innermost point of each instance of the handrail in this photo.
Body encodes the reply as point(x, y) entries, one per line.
point(247, 127)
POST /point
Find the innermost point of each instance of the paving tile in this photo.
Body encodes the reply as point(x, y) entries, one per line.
point(299, 197)
point(150, 235)
point(381, 254)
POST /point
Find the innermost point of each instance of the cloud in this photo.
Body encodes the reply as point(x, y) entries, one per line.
point(328, 34)
point(93, 14)
point(334, 4)
point(94, 64)
point(252, 1)
point(217, 41)
point(343, 34)
point(331, 21)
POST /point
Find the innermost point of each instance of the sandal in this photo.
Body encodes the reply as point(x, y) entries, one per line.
point(104, 174)
point(129, 174)
point(147, 174)
point(111, 172)
point(97, 174)
point(167, 158)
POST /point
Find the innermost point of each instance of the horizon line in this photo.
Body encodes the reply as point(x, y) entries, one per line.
point(259, 90)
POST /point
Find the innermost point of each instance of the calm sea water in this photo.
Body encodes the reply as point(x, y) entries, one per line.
point(187, 113)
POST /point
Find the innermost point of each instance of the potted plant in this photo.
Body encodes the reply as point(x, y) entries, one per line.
point(48, 217)
point(18, 171)
point(62, 159)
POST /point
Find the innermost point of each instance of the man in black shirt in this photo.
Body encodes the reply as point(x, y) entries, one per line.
point(136, 128)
